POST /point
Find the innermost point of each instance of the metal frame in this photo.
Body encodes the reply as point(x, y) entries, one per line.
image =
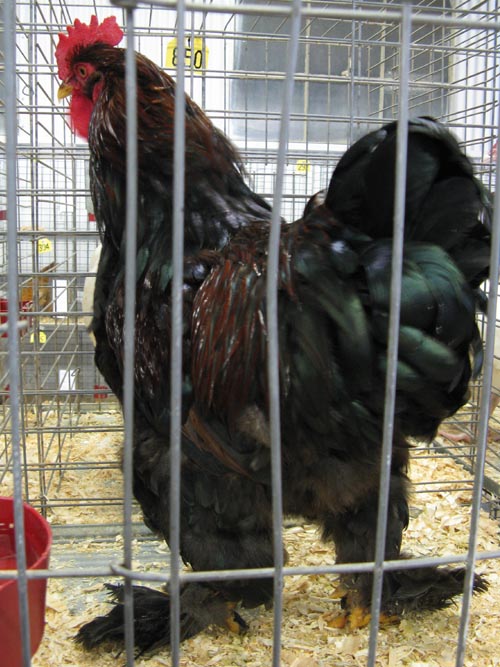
point(296, 11)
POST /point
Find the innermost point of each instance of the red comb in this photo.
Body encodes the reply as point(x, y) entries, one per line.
point(81, 35)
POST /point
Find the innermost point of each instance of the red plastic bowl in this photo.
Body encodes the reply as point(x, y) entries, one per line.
point(38, 542)
point(24, 306)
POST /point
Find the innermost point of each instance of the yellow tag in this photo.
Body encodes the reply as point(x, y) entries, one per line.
point(44, 245)
point(302, 166)
point(42, 337)
point(195, 54)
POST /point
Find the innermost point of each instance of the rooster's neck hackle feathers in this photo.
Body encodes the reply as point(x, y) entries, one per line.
point(218, 201)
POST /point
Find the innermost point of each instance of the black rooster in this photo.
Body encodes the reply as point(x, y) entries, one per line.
point(333, 318)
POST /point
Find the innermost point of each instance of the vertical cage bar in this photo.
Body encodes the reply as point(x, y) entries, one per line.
point(272, 329)
point(176, 341)
point(482, 441)
point(393, 335)
point(129, 325)
point(13, 330)
point(35, 224)
point(351, 71)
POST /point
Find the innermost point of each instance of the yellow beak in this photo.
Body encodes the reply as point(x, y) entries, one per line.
point(64, 90)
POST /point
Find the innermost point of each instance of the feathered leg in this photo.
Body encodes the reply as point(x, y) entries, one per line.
point(200, 606)
point(354, 534)
point(224, 525)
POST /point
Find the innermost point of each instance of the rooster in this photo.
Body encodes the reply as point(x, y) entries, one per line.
point(334, 277)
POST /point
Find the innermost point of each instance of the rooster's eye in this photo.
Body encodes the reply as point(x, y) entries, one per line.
point(82, 71)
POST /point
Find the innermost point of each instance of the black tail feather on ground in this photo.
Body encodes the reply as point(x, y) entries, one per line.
point(427, 588)
point(200, 607)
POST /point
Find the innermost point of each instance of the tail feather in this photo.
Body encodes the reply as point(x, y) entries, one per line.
point(151, 620)
point(445, 204)
point(200, 607)
point(428, 588)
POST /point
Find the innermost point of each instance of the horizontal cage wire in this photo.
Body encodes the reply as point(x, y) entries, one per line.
point(350, 78)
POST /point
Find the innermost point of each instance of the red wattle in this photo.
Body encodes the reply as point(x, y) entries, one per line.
point(80, 111)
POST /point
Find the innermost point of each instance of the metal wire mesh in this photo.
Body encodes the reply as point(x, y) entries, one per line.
point(357, 64)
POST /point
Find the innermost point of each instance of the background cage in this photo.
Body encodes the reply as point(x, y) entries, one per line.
point(347, 82)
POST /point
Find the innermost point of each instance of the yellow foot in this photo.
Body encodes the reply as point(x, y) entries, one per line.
point(339, 621)
point(359, 617)
point(234, 622)
point(339, 592)
point(233, 625)
point(389, 619)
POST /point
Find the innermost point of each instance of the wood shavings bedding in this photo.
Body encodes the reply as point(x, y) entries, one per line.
point(460, 424)
point(439, 526)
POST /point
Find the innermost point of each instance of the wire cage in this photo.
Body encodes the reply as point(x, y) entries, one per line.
point(358, 65)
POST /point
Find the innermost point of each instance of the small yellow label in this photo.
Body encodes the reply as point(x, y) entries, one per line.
point(44, 245)
point(195, 54)
point(42, 337)
point(302, 166)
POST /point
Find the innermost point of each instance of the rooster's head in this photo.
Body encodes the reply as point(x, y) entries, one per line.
point(82, 57)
